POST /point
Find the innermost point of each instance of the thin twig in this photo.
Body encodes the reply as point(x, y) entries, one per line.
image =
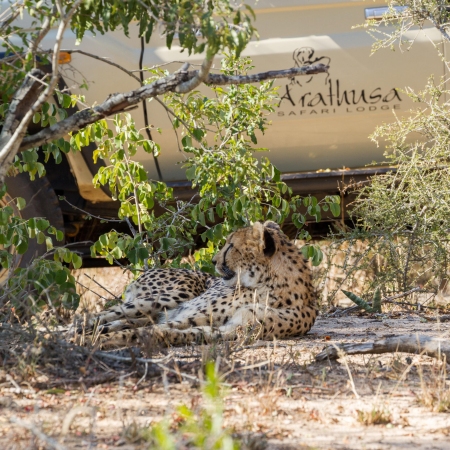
point(128, 359)
point(403, 294)
point(103, 287)
point(418, 305)
point(343, 356)
point(106, 61)
point(89, 214)
point(90, 290)
point(38, 433)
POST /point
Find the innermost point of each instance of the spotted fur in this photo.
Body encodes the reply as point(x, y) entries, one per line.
point(265, 280)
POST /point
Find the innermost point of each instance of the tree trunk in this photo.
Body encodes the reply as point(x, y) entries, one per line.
point(23, 100)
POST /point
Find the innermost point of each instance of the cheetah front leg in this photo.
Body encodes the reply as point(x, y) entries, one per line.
point(157, 336)
point(277, 323)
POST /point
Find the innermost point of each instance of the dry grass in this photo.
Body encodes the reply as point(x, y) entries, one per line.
point(374, 417)
point(276, 396)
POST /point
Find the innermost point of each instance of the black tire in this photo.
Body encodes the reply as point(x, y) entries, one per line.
point(41, 201)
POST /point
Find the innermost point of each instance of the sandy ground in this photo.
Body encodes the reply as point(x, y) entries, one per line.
point(291, 399)
point(275, 394)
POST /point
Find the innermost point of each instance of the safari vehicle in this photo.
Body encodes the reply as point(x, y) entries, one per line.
point(319, 136)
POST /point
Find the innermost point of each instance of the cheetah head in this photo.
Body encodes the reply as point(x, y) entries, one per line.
point(246, 257)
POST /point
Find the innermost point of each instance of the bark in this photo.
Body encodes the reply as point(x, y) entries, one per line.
point(408, 343)
point(120, 102)
point(21, 103)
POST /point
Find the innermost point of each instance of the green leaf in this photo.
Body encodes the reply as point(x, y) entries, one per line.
point(67, 100)
point(40, 237)
point(42, 224)
point(186, 141)
point(3, 190)
point(198, 134)
point(22, 247)
point(166, 243)
point(76, 261)
point(335, 209)
point(318, 257)
point(143, 254)
point(60, 276)
point(358, 300)
point(377, 301)
point(20, 203)
point(190, 173)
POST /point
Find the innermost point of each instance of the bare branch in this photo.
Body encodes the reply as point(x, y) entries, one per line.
point(106, 61)
point(120, 102)
point(199, 78)
point(42, 33)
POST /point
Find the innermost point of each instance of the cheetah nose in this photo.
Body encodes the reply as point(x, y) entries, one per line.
point(214, 261)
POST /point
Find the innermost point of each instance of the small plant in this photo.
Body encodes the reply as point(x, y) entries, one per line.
point(376, 302)
point(436, 394)
point(200, 427)
point(47, 281)
point(374, 417)
point(437, 400)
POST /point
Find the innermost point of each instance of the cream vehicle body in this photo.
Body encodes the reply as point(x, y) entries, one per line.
point(321, 122)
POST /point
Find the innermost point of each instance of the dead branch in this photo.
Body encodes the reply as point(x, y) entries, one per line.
point(128, 359)
point(21, 103)
point(403, 294)
point(50, 442)
point(408, 343)
point(70, 416)
point(119, 102)
point(100, 285)
point(443, 318)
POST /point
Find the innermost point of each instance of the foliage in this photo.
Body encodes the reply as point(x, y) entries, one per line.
point(376, 302)
point(44, 283)
point(404, 16)
point(402, 216)
point(47, 282)
point(198, 428)
point(406, 211)
point(235, 188)
point(215, 25)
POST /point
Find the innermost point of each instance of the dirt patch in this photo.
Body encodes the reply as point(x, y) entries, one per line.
point(275, 391)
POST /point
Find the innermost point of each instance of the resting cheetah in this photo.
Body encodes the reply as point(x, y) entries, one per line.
point(265, 280)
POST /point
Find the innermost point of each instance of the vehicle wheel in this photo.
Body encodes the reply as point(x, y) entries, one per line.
point(41, 201)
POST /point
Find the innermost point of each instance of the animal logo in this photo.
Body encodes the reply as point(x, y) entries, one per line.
point(304, 56)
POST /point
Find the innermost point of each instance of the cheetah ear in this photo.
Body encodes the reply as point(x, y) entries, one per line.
point(269, 244)
point(258, 230)
point(262, 235)
point(271, 224)
point(258, 235)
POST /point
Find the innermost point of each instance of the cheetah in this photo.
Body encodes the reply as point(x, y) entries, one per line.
point(264, 280)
